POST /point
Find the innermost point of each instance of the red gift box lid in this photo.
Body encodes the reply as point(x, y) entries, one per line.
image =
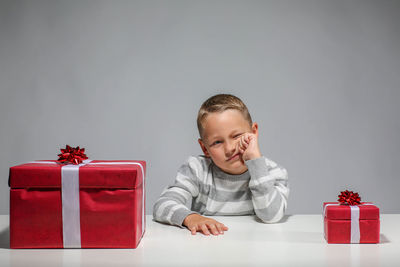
point(96, 174)
point(368, 211)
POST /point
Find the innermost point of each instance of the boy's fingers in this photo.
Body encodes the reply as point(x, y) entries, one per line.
point(243, 139)
point(193, 230)
point(205, 229)
point(219, 227)
point(240, 149)
point(213, 229)
point(248, 139)
point(242, 144)
point(252, 138)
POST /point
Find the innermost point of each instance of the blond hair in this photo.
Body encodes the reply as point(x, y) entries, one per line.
point(220, 103)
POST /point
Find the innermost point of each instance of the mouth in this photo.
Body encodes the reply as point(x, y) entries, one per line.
point(233, 157)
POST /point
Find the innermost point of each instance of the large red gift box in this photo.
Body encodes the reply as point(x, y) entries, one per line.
point(104, 209)
point(351, 223)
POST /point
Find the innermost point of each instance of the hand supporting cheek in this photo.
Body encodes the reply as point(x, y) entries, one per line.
point(248, 146)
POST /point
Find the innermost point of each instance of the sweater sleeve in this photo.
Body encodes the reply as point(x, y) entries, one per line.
point(171, 206)
point(269, 187)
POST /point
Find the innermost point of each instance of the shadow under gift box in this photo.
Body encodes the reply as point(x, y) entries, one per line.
point(111, 201)
point(338, 225)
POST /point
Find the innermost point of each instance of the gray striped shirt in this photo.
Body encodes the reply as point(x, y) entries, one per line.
point(262, 190)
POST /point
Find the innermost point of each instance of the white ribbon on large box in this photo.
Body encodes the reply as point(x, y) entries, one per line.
point(71, 220)
point(354, 220)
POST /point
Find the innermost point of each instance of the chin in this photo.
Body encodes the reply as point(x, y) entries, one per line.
point(238, 169)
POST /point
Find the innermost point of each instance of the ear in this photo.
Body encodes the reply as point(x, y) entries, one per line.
point(203, 147)
point(254, 129)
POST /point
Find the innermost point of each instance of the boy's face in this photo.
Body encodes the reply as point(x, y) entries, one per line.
point(221, 133)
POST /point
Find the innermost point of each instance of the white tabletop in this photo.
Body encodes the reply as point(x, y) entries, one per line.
point(298, 241)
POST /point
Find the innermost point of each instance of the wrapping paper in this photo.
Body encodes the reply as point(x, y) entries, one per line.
point(340, 227)
point(111, 199)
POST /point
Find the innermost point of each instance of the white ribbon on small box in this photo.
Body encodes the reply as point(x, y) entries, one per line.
point(71, 220)
point(354, 220)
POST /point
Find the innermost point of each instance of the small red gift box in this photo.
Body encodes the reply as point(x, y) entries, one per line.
point(96, 204)
point(351, 223)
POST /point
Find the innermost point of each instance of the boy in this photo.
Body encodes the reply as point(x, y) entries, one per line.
point(232, 178)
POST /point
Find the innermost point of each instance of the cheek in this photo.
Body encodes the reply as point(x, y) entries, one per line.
point(216, 153)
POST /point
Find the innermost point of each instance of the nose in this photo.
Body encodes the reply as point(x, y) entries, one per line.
point(230, 148)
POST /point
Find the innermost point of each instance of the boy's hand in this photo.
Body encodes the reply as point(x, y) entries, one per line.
point(195, 222)
point(248, 146)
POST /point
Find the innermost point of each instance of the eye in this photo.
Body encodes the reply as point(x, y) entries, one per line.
point(216, 143)
point(237, 135)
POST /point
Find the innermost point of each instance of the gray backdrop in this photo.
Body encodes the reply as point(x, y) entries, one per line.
point(125, 79)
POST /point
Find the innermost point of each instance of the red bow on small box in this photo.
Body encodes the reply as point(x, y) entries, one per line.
point(74, 155)
point(349, 198)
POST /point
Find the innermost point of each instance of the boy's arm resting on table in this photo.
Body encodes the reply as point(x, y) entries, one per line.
point(171, 207)
point(269, 187)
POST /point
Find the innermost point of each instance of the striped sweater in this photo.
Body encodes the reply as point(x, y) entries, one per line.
point(261, 190)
